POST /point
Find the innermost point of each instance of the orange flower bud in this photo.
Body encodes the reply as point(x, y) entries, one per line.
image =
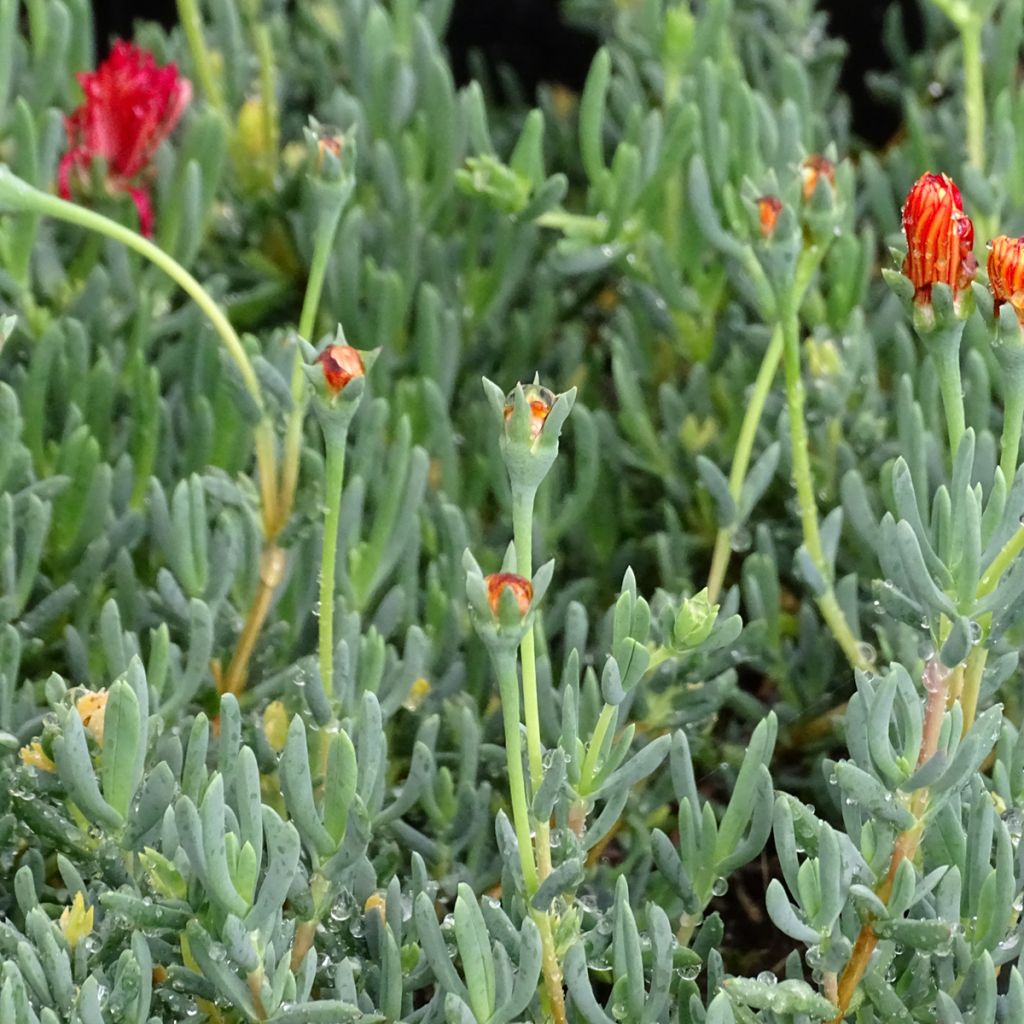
point(814, 167)
point(341, 364)
point(540, 401)
point(768, 210)
point(1006, 273)
point(940, 237)
point(498, 582)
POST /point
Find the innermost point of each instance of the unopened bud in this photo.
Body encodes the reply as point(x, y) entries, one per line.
point(341, 364)
point(498, 582)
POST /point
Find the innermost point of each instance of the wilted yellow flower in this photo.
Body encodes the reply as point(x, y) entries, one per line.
point(92, 708)
point(417, 694)
point(34, 756)
point(275, 724)
point(375, 901)
point(76, 921)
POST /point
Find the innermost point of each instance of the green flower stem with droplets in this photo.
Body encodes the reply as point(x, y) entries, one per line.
point(335, 442)
point(945, 351)
point(522, 531)
point(807, 264)
point(292, 447)
point(508, 684)
point(741, 457)
point(831, 612)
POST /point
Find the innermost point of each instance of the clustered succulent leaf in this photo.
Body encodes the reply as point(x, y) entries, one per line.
point(672, 678)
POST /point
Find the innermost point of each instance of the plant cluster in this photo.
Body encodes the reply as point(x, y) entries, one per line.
point(670, 676)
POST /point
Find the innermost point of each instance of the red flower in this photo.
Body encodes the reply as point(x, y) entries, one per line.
point(130, 107)
point(1006, 273)
point(498, 582)
point(341, 364)
point(940, 237)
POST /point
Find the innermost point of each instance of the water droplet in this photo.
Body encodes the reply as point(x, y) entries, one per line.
point(767, 978)
point(720, 886)
point(866, 652)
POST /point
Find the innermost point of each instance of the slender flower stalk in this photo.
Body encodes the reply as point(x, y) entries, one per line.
point(831, 612)
point(522, 526)
point(338, 380)
point(330, 185)
point(502, 605)
point(830, 609)
point(741, 456)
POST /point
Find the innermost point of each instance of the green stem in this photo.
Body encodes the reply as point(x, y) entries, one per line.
point(192, 25)
point(292, 447)
point(972, 684)
point(509, 686)
point(827, 603)
point(522, 530)
point(335, 478)
point(741, 457)
point(974, 90)
point(1009, 444)
point(23, 196)
point(946, 353)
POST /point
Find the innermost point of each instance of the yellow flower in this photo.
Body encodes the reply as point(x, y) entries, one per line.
point(33, 756)
point(275, 725)
point(92, 707)
point(417, 694)
point(76, 921)
point(375, 901)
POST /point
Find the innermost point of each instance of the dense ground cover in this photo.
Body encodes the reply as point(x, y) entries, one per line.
point(669, 674)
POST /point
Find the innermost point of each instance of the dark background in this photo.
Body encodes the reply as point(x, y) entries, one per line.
point(529, 36)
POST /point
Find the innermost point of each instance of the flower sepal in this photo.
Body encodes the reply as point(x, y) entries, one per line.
point(331, 161)
point(337, 378)
point(502, 604)
point(947, 311)
point(531, 420)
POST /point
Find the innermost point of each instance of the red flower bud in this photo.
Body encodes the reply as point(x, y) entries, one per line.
point(498, 582)
point(940, 237)
point(130, 107)
point(768, 210)
point(1006, 273)
point(814, 167)
point(341, 364)
point(539, 399)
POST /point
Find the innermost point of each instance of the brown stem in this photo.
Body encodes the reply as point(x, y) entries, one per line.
point(255, 983)
point(272, 564)
point(936, 682)
point(551, 969)
point(305, 932)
